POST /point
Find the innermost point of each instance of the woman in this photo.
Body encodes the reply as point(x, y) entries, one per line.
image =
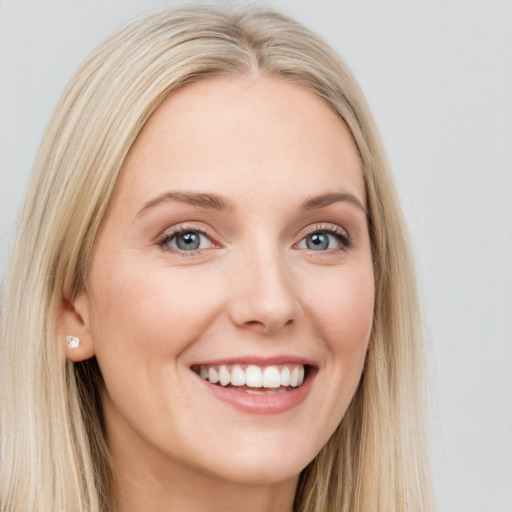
point(218, 309)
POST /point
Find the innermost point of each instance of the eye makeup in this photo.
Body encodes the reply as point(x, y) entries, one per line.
point(319, 235)
point(189, 240)
point(186, 240)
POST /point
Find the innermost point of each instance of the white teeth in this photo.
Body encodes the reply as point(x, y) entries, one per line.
point(285, 376)
point(224, 376)
point(255, 392)
point(271, 377)
point(301, 375)
point(253, 376)
point(276, 391)
point(213, 376)
point(294, 377)
point(237, 376)
point(264, 392)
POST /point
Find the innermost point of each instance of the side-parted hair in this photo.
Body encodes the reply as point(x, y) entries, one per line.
point(54, 454)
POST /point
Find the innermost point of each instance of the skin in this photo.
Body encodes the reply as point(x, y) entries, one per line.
point(254, 288)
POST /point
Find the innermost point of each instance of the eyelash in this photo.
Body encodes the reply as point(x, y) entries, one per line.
point(167, 237)
point(340, 234)
point(337, 232)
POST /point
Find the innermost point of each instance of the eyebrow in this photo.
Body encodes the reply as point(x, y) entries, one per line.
point(216, 202)
point(321, 201)
point(203, 200)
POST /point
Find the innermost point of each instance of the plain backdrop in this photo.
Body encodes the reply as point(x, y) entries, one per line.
point(438, 77)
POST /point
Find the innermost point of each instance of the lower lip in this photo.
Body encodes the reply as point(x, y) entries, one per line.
point(261, 404)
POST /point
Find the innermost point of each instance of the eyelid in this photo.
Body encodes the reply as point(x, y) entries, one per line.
point(327, 226)
point(341, 234)
point(174, 231)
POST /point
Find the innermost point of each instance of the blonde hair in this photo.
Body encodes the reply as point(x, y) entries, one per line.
point(54, 455)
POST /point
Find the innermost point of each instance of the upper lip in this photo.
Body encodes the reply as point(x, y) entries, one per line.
point(257, 360)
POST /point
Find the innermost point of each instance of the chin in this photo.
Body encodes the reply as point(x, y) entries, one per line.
point(264, 473)
point(264, 464)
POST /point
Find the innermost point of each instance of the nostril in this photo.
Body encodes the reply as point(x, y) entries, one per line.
point(267, 327)
point(256, 325)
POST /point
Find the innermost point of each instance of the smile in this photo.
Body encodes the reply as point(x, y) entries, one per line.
point(256, 385)
point(254, 379)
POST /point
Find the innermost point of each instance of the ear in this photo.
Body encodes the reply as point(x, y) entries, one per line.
point(73, 320)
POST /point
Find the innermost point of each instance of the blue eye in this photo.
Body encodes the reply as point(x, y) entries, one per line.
point(318, 241)
point(325, 240)
point(187, 240)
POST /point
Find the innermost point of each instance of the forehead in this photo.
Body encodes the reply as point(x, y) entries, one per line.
point(229, 135)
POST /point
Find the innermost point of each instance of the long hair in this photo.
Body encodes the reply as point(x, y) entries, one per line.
point(54, 454)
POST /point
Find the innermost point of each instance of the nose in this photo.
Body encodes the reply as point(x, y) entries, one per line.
point(264, 297)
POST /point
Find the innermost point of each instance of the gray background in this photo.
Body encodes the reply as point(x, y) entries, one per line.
point(438, 77)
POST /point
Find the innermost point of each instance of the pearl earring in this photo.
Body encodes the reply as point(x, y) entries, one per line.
point(73, 342)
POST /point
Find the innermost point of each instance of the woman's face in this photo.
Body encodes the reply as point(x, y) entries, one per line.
point(235, 247)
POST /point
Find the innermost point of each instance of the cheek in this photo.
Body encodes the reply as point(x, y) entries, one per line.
point(343, 306)
point(151, 312)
